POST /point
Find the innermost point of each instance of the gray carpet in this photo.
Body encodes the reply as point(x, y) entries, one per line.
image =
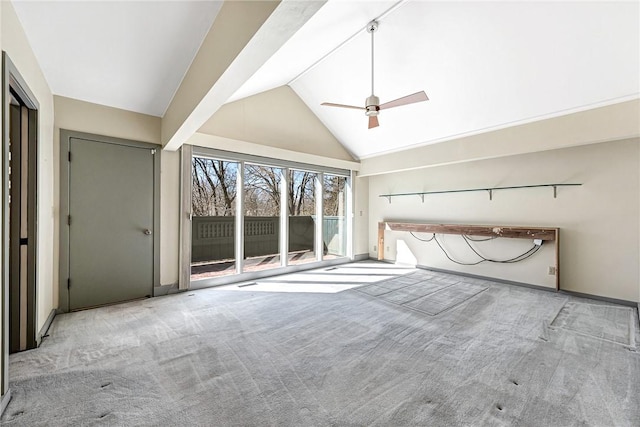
point(245, 357)
point(425, 291)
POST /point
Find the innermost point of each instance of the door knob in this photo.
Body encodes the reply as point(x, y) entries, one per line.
point(147, 232)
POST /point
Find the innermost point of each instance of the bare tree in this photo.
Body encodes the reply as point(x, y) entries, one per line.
point(301, 193)
point(214, 187)
point(333, 197)
point(262, 190)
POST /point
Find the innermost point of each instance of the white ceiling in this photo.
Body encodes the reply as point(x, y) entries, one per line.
point(484, 65)
point(125, 54)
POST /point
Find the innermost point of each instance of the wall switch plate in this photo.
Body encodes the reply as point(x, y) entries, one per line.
point(552, 271)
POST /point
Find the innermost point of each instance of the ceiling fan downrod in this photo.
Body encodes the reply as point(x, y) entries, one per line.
point(372, 103)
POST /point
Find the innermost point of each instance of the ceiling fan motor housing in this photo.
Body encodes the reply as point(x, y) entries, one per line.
point(372, 105)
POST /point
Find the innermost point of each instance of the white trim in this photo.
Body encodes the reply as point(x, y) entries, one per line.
point(5, 401)
point(184, 269)
point(45, 327)
point(284, 217)
point(250, 148)
point(239, 232)
point(319, 240)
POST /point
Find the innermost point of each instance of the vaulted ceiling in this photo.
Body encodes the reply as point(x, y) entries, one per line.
point(484, 65)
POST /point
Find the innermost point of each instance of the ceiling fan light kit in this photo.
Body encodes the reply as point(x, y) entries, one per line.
point(372, 103)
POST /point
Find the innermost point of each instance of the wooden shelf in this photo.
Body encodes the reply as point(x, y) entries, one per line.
point(542, 233)
point(490, 190)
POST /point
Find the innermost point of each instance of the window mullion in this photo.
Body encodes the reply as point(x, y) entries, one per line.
point(284, 217)
point(239, 223)
point(319, 241)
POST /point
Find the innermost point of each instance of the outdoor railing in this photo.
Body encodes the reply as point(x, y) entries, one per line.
point(213, 236)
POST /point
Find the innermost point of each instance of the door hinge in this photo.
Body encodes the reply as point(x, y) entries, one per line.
point(68, 283)
point(69, 155)
point(153, 151)
point(68, 219)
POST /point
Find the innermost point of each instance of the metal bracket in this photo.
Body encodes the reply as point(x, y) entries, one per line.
point(555, 191)
point(389, 199)
point(421, 197)
point(490, 193)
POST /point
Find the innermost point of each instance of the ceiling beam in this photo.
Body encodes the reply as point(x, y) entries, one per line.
point(243, 37)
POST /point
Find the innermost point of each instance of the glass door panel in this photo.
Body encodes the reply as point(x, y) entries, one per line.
point(213, 204)
point(302, 214)
point(334, 220)
point(261, 217)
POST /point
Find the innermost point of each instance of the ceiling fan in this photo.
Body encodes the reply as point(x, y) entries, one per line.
point(372, 104)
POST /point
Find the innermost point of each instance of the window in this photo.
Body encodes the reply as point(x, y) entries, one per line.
point(251, 214)
point(261, 217)
point(334, 208)
point(301, 200)
point(213, 206)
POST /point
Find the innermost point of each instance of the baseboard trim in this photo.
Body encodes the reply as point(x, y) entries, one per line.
point(493, 279)
point(600, 298)
point(532, 286)
point(45, 327)
point(5, 401)
point(361, 257)
point(388, 261)
point(163, 290)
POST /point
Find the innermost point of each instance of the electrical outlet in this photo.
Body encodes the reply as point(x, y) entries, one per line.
point(375, 248)
point(360, 213)
point(551, 271)
point(387, 248)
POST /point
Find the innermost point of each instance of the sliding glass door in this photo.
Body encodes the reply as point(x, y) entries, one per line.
point(302, 216)
point(334, 214)
point(250, 215)
point(213, 207)
point(262, 217)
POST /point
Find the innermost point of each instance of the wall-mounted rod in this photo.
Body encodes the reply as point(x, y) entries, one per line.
point(490, 190)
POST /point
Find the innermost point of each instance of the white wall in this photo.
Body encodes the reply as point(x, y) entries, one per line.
point(15, 43)
point(599, 220)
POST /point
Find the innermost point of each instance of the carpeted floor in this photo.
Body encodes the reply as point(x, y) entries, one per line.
point(452, 351)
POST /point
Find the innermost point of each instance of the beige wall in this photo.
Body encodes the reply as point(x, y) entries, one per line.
point(276, 118)
point(106, 121)
point(15, 43)
point(361, 216)
point(598, 221)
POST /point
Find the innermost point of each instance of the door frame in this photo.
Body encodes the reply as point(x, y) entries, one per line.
point(65, 138)
point(13, 81)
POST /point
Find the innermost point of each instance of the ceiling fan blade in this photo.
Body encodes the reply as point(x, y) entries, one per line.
point(373, 122)
point(330, 104)
point(409, 99)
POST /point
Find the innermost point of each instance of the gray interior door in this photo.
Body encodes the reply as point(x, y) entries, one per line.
point(111, 223)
